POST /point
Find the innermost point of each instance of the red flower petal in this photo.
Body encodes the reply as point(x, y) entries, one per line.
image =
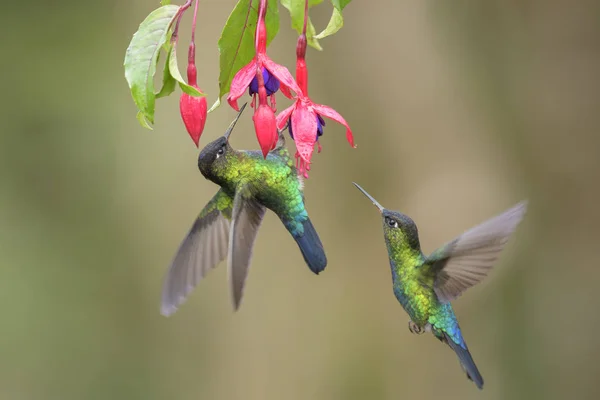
point(282, 73)
point(334, 115)
point(265, 127)
point(240, 83)
point(284, 116)
point(304, 125)
point(285, 90)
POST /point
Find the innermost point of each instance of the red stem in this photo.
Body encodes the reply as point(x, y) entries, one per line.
point(178, 16)
point(194, 21)
point(191, 69)
point(301, 46)
point(301, 70)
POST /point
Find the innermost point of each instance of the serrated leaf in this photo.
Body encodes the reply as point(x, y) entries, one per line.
point(168, 82)
point(143, 121)
point(336, 21)
point(296, 9)
point(174, 70)
point(236, 44)
point(142, 55)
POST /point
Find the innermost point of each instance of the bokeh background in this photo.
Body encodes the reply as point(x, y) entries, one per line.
point(460, 109)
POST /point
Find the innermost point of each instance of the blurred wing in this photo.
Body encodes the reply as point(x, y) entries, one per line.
point(202, 249)
point(466, 260)
point(247, 216)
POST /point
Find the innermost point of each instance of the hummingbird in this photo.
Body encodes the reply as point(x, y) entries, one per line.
point(425, 285)
point(227, 226)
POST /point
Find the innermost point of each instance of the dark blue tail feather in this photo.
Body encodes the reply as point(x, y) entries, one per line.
point(312, 248)
point(467, 362)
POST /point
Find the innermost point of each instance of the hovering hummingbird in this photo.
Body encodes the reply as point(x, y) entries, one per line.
point(425, 285)
point(229, 223)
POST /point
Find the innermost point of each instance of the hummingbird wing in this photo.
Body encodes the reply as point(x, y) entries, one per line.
point(202, 249)
point(247, 216)
point(466, 260)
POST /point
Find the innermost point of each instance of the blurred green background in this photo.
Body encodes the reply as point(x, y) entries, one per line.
point(460, 109)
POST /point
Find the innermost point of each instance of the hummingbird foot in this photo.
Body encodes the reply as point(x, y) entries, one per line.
point(414, 328)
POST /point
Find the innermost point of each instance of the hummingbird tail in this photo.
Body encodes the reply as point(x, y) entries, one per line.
point(311, 248)
point(466, 361)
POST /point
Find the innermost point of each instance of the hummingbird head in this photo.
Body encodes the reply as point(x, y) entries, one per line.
point(398, 228)
point(214, 157)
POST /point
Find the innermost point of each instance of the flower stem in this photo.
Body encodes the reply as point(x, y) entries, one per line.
point(301, 46)
point(191, 69)
point(305, 17)
point(178, 16)
point(301, 70)
point(194, 21)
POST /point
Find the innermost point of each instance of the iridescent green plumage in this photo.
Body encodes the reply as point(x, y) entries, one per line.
point(273, 181)
point(425, 285)
point(228, 224)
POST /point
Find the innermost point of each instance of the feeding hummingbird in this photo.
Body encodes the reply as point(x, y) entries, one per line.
point(425, 285)
point(229, 223)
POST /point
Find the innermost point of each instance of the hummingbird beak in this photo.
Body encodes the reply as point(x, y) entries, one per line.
point(232, 125)
point(370, 197)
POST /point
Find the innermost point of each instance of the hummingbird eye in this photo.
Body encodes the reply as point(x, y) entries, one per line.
point(391, 223)
point(220, 152)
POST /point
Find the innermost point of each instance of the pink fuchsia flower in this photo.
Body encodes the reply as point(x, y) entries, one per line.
point(193, 109)
point(305, 118)
point(274, 75)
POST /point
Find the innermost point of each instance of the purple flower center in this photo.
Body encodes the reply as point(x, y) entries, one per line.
point(320, 125)
point(271, 83)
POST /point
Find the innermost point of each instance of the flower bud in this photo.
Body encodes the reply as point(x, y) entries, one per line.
point(193, 113)
point(265, 127)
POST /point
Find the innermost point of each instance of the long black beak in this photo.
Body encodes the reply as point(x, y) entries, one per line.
point(232, 125)
point(370, 197)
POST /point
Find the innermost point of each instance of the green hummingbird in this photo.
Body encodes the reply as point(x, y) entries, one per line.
point(229, 223)
point(425, 285)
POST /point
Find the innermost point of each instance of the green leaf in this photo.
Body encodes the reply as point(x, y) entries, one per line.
point(296, 9)
point(337, 21)
point(236, 44)
point(340, 4)
point(311, 37)
point(174, 70)
point(168, 82)
point(142, 55)
point(143, 121)
point(165, 2)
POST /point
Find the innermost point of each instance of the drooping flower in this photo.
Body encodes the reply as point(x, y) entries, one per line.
point(262, 77)
point(305, 118)
point(193, 109)
point(274, 75)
